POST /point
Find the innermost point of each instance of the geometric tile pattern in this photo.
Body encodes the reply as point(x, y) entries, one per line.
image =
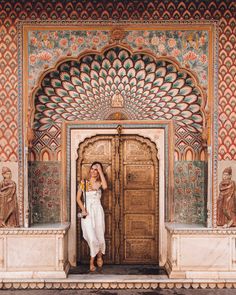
point(227, 86)
point(188, 142)
point(190, 192)
point(8, 91)
point(84, 89)
point(11, 11)
point(49, 141)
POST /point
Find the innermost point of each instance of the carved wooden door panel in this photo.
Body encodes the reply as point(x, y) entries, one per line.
point(130, 203)
point(139, 201)
point(99, 148)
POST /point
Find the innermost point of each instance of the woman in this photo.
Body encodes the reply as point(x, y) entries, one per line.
point(93, 225)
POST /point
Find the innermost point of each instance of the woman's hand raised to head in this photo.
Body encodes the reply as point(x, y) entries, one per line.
point(99, 168)
point(103, 180)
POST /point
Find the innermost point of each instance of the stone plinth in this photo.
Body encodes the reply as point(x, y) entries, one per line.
point(204, 253)
point(37, 252)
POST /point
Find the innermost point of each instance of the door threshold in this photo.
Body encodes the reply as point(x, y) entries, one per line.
point(127, 269)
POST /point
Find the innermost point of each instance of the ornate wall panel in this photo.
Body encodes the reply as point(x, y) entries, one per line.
point(190, 192)
point(45, 191)
point(189, 48)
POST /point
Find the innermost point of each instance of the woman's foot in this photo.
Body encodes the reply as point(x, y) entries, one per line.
point(99, 260)
point(92, 267)
point(230, 223)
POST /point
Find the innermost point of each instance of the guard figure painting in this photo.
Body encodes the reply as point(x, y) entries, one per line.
point(226, 203)
point(8, 200)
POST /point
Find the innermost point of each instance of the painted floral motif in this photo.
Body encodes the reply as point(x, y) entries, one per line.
point(190, 192)
point(188, 47)
point(46, 47)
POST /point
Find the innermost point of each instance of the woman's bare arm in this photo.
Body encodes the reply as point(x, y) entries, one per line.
point(80, 203)
point(103, 179)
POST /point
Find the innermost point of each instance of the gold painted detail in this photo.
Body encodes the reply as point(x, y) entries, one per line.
point(117, 35)
point(118, 116)
point(117, 100)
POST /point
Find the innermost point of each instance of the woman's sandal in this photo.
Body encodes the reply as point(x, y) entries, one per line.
point(92, 268)
point(100, 261)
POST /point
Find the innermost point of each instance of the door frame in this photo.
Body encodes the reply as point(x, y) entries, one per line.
point(159, 132)
point(115, 157)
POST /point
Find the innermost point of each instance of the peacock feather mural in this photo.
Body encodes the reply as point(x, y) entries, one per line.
point(156, 89)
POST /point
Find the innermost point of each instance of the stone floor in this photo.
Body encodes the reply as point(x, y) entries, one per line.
point(121, 270)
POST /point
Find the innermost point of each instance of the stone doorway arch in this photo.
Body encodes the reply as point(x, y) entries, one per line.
point(131, 202)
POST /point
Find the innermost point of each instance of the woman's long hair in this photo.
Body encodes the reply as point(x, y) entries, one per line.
point(95, 163)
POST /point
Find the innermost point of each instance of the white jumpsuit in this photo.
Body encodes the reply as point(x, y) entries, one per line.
point(93, 226)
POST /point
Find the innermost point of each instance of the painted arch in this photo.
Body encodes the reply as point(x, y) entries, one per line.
point(151, 89)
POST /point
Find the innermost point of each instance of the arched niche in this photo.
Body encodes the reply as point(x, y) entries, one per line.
point(150, 88)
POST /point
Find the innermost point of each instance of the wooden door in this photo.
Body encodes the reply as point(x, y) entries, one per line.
point(102, 149)
point(131, 201)
point(139, 201)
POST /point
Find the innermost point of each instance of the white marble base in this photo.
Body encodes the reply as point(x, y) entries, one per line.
point(37, 252)
point(194, 256)
point(198, 253)
point(35, 274)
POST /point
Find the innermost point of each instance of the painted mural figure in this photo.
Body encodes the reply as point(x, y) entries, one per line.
point(226, 204)
point(8, 200)
point(93, 225)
